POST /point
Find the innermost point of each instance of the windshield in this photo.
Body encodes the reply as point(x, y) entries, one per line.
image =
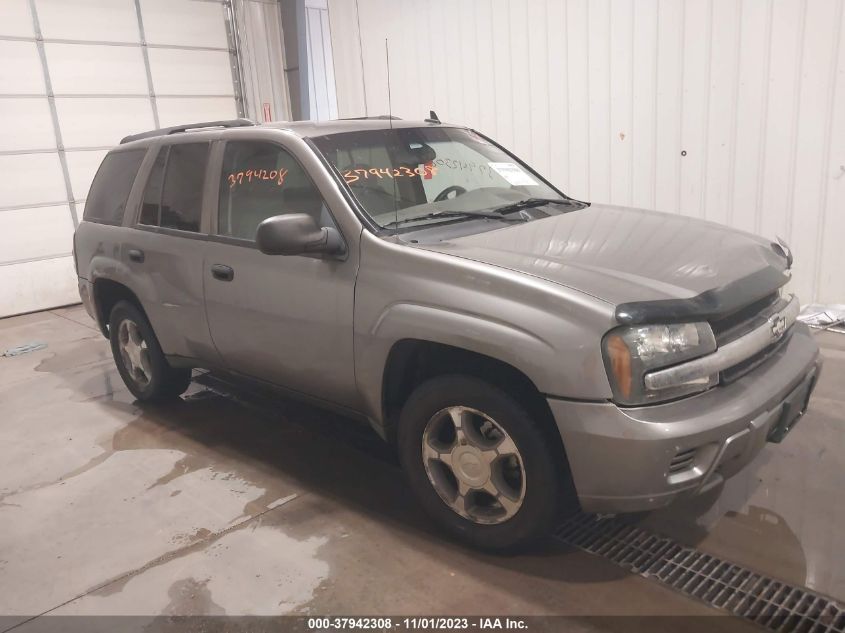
point(416, 176)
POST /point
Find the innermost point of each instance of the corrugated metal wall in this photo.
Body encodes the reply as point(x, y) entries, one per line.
point(729, 110)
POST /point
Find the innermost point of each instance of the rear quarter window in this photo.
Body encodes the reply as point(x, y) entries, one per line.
point(111, 186)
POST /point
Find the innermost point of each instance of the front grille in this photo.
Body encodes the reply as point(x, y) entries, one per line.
point(739, 323)
point(682, 461)
point(740, 369)
point(742, 321)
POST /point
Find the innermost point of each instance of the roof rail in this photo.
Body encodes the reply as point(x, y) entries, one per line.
point(184, 128)
point(382, 117)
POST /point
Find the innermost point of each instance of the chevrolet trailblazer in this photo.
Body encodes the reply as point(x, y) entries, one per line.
point(526, 354)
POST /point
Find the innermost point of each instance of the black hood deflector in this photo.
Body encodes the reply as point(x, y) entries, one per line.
point(711, 304)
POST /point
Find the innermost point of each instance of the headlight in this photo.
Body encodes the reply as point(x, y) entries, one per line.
point(631, 352)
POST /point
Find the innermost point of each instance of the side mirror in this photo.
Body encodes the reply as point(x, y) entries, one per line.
point(297, 234)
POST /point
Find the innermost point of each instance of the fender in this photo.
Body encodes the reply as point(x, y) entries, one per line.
point(509, 343)
point(103, 267)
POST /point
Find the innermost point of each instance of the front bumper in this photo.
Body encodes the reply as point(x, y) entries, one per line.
point(634, 459)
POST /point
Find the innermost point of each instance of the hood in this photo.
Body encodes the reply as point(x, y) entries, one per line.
point(623, 255)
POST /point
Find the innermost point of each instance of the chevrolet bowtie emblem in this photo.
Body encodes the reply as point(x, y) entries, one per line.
point(778, 326)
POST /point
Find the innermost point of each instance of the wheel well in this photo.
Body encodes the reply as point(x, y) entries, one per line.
point(411, 362)
point(106, 294)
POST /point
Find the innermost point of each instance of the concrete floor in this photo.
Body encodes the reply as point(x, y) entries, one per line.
point(221, 504)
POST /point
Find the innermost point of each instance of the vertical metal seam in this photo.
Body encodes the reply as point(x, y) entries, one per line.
point(796, 117)
point(492, 56)
point(678, 157)
point(478, 79)
point(312, 82)
point(826, 152)
point(510, 72)
point(528, 76)
point(361, 57)
point(325, 62)
point(656, 103)
point(334, 70)
point(461, 43)
point(548, 82)
point(734, 116)
point(609, 104)
point(587, 97)
point(708, 88)
point(632, 137)
point(764, 123)
point(566, 87)
point(478, 64)
point(270, 62)
point(54, 113)
point(235, 60)
point(147, 68)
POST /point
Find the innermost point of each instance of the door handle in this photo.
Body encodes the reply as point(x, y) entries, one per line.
point(136, 255)
point(223, 273)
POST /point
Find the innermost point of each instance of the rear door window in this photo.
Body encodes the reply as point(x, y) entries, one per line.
point(181, 193)
point(111, 186)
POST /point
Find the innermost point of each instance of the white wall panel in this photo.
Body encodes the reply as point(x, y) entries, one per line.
point(175, 111)
point(20, 70)
point(56, 285)
point(720, 124)
point(598, 118)
point(31, 179)
point(17, 20)
point(98, 20)
point(750, 107)
point(86, 69)
point(189, 72)
point(578, 103)
point(728, 110)
point(82, 166)
point(812, 138)
point(25, 124)
point(19, 242)
point(831, 262)
point(644, 103)
point(100, 122)
point(321, 92)
point(184, 23)
point(621, 95)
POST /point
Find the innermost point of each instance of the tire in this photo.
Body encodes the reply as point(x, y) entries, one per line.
point(140, 362)
point(479, 518)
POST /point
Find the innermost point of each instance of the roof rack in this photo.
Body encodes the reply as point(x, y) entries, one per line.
point(381, 117)
point(184, 128)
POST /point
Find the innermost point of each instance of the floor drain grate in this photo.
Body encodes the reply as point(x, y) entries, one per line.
point(766, 601)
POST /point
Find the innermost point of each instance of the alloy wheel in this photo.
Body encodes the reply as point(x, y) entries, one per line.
point(474, 465)
point(134, 352)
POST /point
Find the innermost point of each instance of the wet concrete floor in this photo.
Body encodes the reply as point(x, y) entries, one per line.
point(223, 504)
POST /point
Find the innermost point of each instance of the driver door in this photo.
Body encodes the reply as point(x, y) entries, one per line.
point(283, 319)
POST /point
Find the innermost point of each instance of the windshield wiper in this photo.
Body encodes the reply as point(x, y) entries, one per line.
point(528, 203)
point(492, 215)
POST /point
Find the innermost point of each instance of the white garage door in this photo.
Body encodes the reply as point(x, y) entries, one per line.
point(75, 77)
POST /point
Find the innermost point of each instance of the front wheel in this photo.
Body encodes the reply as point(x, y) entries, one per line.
point(139, 358)
point(478, 462)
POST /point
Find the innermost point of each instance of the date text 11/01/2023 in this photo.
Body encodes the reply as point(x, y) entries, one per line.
point(416, 623)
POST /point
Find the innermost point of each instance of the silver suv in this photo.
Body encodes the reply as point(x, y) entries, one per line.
point(526, 353)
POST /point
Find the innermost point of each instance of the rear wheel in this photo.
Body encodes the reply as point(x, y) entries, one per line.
point(139, 358)
point(478, 462)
